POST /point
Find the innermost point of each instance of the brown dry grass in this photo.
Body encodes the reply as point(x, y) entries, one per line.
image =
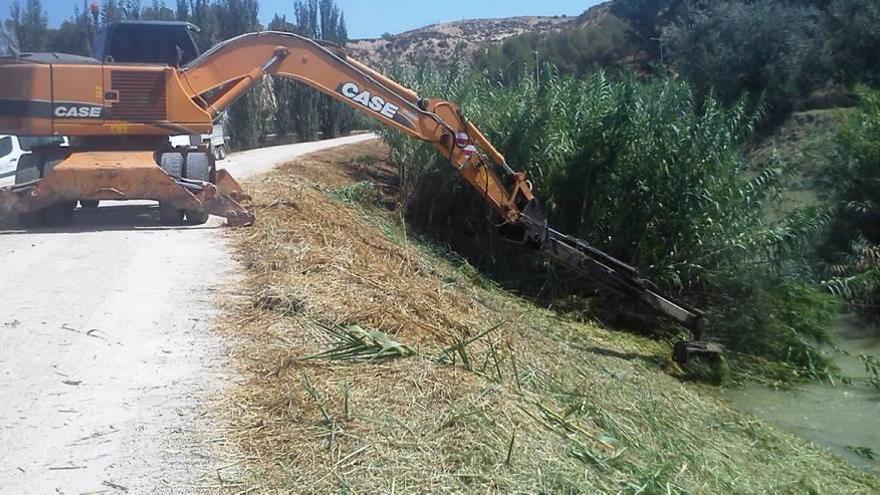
point(541, 404)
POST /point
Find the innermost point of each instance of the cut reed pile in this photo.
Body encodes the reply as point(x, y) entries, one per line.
point(378, 364)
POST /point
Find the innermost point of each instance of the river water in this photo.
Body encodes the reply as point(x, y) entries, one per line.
point(840, 417)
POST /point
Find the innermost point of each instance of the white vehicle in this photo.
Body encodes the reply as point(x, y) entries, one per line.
point(13, 147)
point(10, 152)
point(217, 141)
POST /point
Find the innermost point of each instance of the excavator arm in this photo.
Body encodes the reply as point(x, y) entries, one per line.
point(231, 68)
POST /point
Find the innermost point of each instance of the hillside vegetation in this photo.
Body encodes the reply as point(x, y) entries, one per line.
point(378, 362)
point(449, 43)
point(787, 54)
point(466, 42)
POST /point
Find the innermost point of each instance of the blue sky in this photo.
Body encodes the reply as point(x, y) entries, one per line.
point(371, 18)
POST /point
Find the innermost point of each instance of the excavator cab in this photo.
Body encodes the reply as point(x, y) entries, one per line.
point(147, 42)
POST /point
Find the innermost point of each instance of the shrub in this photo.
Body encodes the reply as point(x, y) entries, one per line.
point(854, 247)
point(855, 29)
point(643, 170)
point(607, 44)
point(733, 47)
point(647, 18)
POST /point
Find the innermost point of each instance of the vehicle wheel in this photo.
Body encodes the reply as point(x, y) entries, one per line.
point(198, 167)
point(59, 214)
point(89, 203)
point(172, 164)
point(31, 219)
point(170, 215)
point(222, 152)
point(52, 160)
point(195, 217)
point(29, 170)
point(35, 166)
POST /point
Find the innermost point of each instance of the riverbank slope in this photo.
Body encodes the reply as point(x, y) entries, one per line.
point(375, 362)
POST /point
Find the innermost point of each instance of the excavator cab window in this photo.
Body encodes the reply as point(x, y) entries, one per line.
point(147, 42)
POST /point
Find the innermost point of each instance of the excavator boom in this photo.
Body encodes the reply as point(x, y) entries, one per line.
point(133, 103)
point(232, 67)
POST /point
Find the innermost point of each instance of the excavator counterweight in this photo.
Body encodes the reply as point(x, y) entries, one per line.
point(119, 117)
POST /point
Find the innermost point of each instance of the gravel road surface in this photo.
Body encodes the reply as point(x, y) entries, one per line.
point(107, 359)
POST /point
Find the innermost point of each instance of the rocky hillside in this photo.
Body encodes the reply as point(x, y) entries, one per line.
point(441, 43)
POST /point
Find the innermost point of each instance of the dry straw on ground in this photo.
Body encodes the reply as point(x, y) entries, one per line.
point(486, 392)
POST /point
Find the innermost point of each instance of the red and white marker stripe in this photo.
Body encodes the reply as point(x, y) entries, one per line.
point(463, 141)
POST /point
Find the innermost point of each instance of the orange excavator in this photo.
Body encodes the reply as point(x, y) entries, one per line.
point(147, 82)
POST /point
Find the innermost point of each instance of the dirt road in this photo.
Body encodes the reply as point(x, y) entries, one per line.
point(107, 361)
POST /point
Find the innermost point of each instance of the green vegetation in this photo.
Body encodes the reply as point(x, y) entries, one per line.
point(791, 53)
point(855, 27)
point(30, 25)
point(301, 110)
point(624, 164)
point(607, 45)
point(872, 368)
point(361, 193)
point(651, 173)
point(804, 141)
point(853, 249)
point(734, 48)
point(249, 119)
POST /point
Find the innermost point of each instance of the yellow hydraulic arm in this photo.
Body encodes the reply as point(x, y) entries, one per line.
point(231, 68)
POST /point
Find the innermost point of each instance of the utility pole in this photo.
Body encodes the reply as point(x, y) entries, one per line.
point(660, 41)
point(537, 68)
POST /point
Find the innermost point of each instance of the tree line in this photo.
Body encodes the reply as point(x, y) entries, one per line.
point(785, 52)
point(282, 108)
